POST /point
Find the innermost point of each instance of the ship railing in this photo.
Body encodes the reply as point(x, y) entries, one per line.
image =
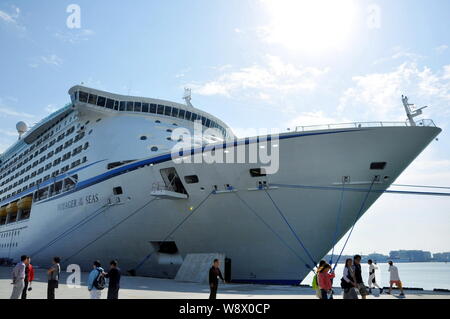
point(423, 122)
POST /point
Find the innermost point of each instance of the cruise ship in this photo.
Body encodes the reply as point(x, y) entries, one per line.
point(99, 179)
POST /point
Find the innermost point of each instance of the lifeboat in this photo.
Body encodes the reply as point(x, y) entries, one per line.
point(24, 203)
point(3, 211)
point(11, 208)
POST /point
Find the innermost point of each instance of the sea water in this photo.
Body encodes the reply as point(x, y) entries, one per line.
point(426, 275)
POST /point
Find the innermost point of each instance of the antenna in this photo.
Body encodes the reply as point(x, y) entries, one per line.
point(409, 113)
point(187, 96)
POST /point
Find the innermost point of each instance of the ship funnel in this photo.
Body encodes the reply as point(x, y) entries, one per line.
point(21, 128)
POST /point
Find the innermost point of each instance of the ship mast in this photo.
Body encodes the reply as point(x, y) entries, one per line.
point(409, 113)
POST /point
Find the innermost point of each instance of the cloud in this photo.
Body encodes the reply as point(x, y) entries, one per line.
point(314, 118)
point(376, 96)
point(262, 80)
point(52, 59)
point(10, 112)
point(51, 108)
point(441, 49)
point(400, 53)
point(10, 17)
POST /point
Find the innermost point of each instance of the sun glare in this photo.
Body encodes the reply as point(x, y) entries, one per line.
point(310, 25)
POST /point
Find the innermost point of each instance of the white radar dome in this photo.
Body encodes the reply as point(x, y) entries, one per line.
point(21, 127)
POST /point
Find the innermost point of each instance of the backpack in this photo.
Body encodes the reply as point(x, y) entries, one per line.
point(315, 284)
point(100, 281)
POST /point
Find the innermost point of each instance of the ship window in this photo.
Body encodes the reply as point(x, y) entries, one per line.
point(160, 109)
point(83, 96)
point(116, 105)
point(257, 172)
point(191, 179)
point(109, 103)
point(378, 165)
point(152, 108)
point(129, 106)
point(154, 149)
point(143, 138)
point(188, 115)
point(203, 120)
point(145, 107)
point(122, 106)
point(208, 122)
point(137, 106)
point(117, 190)
point(181, 114)
point(174, 112)
point(101, 101)
point(193, 117)
point(169, 130)
point(168, 110)
point(92, 99)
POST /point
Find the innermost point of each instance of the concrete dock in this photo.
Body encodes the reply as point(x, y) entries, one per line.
point(153, 288)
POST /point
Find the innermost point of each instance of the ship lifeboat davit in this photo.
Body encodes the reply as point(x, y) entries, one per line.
point(24, 203)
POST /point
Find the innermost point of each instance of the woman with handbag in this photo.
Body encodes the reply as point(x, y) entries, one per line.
point(348, 281)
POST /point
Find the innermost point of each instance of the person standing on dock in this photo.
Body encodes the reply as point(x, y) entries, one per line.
point(96, 280)
point(114, 280)
point(348, 281)
point(214, 275)
point(29, 277)
point(358, 276)
point(53, 278)
point(18, 276)
point(324, 278)
point(372, 281)
point(394, 278)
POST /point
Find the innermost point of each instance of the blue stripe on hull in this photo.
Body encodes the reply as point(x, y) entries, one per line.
point(161, 159)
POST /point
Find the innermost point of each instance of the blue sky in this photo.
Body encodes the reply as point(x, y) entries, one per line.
point(254, 64)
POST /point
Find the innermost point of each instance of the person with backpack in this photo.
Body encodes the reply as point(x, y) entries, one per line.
point(324, 278)
point(96, 281)
point(53, 278)
point(315, 283)
point(348, 281)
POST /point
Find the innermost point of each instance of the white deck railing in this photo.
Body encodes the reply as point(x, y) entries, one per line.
point(425, 122)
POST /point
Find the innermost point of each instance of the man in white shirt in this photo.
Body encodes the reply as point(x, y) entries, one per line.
point(372, 281)
point(394, 278)
point(18, 276)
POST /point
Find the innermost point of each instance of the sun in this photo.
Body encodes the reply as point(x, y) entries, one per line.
point(310, 25)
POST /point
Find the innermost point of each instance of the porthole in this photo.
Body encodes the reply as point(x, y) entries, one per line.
point(98, 120)
point(157, 121)
point(169, 130)
point(154, 149)
point(143, 138)
point(174, 124)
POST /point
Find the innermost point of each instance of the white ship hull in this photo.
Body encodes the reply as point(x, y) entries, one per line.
point(224, 223)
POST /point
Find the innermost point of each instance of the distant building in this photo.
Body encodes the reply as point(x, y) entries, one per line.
point(410, 256)
point(441, 257)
